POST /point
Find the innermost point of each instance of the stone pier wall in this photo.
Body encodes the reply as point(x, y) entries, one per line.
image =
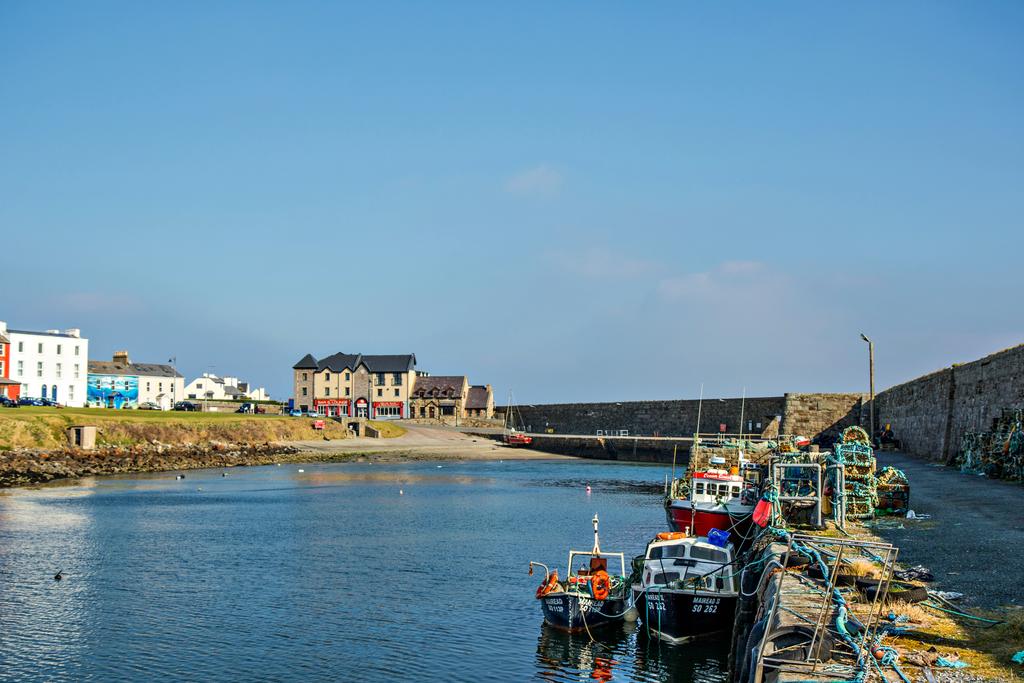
point(931, 414)
point(818, 416)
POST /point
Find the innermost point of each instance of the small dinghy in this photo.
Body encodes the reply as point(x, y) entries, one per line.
point(688, 586)
point(589, 598)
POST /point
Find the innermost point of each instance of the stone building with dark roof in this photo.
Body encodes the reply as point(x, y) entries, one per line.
point(355, 385)
point(450, 398)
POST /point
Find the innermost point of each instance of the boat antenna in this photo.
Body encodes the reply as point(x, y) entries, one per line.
point(597, 542)
point(675, 449)
point(700, 404)
point(743, 402)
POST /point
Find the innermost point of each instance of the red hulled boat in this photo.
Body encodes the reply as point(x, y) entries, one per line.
point(711, 499)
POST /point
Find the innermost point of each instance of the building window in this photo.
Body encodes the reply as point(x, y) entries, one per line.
point(327, 391)
point(199, 385)
point(348, 391)
point(348, 376)
point(160, 386)
point(305, 377)
point(58, 349)
point(147, 386)
point(397, 392)
point(304, 391)
point(380, 392)
point(76, 370)
point(71, 392)
point(1, 368)
point(76, 350)
point(58, 370)
point(327, 377)
point(379, 379)
point(21, 368)
point(40, 347)
point(39, 369)
point(21, 347)
point(396, 379)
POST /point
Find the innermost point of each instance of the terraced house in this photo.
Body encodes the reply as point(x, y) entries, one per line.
point(354, 385)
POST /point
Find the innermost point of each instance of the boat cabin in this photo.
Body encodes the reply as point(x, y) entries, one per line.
point(589, 564)
point(690, 563)
point(721, 486)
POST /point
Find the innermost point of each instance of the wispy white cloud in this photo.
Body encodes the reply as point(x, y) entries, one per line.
point(97, 302)
point(601, 263)
point(539, 181)
point(730, 282)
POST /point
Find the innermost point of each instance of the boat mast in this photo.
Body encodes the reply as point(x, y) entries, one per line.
point(597, 542)
point(743, 402)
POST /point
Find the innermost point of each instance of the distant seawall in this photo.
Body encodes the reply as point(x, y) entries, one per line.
point(931, 414)
point(818, 416)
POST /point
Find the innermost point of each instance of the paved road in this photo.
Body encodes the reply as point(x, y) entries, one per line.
point(974, 541)
point(427, 442)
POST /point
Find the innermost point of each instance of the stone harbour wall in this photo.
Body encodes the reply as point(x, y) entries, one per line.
point(931, 414)
point(823, 417)
point(651, 418)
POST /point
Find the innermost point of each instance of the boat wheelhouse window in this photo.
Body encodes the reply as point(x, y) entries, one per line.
point(698, 487)
point(666, 577)
point(699, 552)
point(735, 491)
point(665, 552)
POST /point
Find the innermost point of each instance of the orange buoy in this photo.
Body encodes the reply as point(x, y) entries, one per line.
point(548, 585)
point(600, 585)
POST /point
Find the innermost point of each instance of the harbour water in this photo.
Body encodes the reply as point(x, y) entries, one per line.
point(354, 572)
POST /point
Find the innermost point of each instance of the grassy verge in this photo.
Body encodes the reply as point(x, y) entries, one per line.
point(37, 427)
point(388, 430)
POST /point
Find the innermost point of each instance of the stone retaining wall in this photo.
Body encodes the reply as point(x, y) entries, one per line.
point(930, 414)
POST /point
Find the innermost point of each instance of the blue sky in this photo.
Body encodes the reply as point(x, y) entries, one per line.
point(578, 201)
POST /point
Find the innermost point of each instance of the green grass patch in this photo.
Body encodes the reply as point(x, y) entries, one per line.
point(387, 429)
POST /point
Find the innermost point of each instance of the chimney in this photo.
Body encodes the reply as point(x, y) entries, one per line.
point(73, 332)
point(3, 327)
point(53, 332)
point(121, 358)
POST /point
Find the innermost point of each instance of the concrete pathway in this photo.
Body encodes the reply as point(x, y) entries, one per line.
point(423, 442)
point(974, 540)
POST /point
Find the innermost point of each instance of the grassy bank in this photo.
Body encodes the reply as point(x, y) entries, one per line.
point(36, 427)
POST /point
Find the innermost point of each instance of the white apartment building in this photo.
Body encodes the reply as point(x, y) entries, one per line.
point(213, 388)
point(50, 364)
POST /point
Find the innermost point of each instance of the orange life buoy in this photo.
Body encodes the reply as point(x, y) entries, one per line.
point(671, 535)
point(548, 585)
point(600, 585)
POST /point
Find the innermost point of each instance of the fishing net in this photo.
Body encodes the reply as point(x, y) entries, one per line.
point(998, 453)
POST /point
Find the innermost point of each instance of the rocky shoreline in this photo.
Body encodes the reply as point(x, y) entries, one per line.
point(27, 467)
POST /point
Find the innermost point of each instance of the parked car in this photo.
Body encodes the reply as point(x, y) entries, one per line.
point(251, 408)
point(187, 406)
point(314, 413)
point(30, 401)
point(9, 402)
point(295, 412)
point(149, 405)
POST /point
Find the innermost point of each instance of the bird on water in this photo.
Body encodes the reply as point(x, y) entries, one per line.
point(59, 575)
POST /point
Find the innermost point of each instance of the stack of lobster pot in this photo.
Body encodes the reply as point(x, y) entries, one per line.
point(853, 450)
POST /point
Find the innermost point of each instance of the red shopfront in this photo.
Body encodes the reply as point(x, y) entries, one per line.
point(333, 407)
point(389, 409)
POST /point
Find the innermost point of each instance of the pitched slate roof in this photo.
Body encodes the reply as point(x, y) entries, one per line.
point(106, 367)
point(477, 398)
point(4, 339)
point(401, 363)
point(44, 334)
point(350, 361)
point(439, 385)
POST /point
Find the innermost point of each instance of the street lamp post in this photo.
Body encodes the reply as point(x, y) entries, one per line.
point(871, 384)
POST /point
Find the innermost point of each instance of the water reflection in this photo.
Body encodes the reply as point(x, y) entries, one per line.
point(626, 654)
